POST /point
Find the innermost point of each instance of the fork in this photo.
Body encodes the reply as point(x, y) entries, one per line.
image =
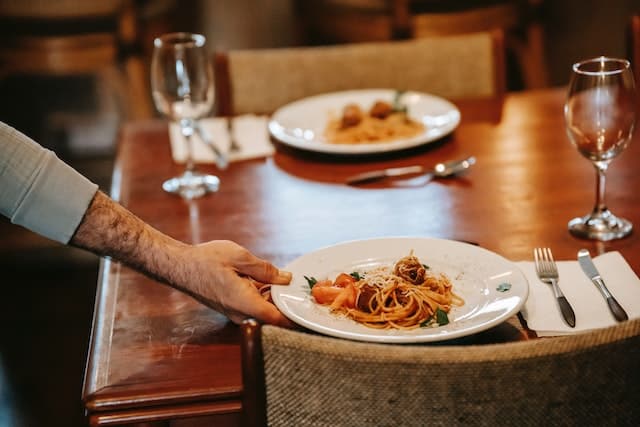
point(233, 144)
point(547, 271)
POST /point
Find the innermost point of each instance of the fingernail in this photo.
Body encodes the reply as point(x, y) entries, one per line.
point(284, 276)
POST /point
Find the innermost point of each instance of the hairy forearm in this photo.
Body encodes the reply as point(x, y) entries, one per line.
point(220, 274)
point(108, 229)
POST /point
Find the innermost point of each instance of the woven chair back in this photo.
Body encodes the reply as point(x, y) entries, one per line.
point(586, 379)
point(455, 66)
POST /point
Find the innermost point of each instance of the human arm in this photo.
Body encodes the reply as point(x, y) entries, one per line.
point(45, 195)
point(219, 273)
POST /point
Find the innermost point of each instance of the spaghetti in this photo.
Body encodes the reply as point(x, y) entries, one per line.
point(381, 123)
point(405, 297)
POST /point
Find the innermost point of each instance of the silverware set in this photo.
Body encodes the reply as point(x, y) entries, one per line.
point(439, 170)
point(221, 157)
point(547, 272)
point(233, 143)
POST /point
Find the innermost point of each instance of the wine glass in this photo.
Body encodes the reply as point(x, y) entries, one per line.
point(182, 88)
point(600, 115)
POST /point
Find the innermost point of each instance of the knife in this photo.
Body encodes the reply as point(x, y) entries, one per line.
point(584, 259)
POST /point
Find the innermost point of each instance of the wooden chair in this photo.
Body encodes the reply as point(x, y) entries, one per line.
point(75, 37)
point(296, 378)
point(456, 66)
point(633, 46)
point(351, 21)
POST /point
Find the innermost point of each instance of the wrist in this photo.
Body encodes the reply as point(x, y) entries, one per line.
point(171, 261)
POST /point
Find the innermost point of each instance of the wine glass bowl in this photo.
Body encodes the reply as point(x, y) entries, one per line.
point(600, 115)
point(182, 89)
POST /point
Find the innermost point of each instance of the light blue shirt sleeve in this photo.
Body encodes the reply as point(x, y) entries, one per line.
point(38, 190)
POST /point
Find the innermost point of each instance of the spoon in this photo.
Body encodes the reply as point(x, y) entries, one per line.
point(439, 170)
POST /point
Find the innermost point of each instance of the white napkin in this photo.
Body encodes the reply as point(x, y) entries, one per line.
point(592, 312)
point(249, 131)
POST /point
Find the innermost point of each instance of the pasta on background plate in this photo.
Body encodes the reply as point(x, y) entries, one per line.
point(383, 122)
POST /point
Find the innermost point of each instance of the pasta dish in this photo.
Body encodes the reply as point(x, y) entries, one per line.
point(406, 296)
point(383, 122)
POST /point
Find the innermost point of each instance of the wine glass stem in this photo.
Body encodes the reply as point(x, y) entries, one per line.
point(187, 128)
point(600, 205)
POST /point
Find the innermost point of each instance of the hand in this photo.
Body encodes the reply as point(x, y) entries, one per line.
point(220, 273)
point(225, 276)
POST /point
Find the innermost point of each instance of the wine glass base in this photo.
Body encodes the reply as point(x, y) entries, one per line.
point(603, 227)
point(192, 185)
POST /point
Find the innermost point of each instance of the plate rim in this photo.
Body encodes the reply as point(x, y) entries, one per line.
point(404, 339)
point(275, 128)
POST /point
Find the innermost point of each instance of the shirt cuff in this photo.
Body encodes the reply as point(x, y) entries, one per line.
point(56, 203)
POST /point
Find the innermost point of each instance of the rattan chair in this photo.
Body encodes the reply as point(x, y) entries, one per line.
point(591, 379)
point(457, 66)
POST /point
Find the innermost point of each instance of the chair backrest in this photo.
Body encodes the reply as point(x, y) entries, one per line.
point(59, 9)
point(70, 38)
point(633, 44)
point(454, 66)
point(586, 379)
point(350, 21)
point(59, 38)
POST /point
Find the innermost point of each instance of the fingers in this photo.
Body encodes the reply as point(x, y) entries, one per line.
point(238, 278)
point(242, 299)
point(266, 272)
point(283, 278)
point(263, 312)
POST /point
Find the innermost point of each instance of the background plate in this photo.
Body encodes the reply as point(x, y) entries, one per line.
point(301, 124)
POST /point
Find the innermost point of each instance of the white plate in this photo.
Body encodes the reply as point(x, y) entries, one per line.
point(301, 124)
point(477, 275)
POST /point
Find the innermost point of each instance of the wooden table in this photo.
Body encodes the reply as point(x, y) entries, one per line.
point(157, 355)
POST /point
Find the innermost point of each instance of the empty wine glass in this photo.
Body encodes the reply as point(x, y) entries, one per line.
point(182, 88)
point(600, 115)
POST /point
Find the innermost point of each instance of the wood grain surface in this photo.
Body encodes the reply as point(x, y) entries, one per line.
point(156, 354)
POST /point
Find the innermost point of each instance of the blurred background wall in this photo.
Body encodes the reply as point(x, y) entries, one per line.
point(577, 29)
point(573, 29)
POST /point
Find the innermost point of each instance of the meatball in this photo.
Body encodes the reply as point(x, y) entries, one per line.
point(381, 110)
point(351, 115)
point(365, 297)
point(410, 269)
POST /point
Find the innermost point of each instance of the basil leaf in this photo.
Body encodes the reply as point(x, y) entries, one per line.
point(310, 281)
point(397, 107)
point(355, 275)
point(427, 322)
point(503, 287)
point(441, 317)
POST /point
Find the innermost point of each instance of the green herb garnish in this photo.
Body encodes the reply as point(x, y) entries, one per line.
point(441, 317)
point(503, 287)
point(397, 106)
point(427, 322)
point(355, 275)
point(311, 281)
point(426, 267)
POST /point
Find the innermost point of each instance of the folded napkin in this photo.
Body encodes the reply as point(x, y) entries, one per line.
point(249, 131)
point(592, 312)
